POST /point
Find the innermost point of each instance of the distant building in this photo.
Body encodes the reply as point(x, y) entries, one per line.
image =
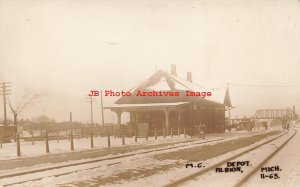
point(7, 133)
point(177, 110)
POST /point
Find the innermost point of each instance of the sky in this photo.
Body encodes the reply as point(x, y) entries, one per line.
point(63, 49)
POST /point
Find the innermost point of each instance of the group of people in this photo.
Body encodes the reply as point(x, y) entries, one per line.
point(202, 128)
point(286, 125)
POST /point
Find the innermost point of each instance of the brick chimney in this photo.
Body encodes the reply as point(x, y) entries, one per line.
point(189, 76)
point(173, 70)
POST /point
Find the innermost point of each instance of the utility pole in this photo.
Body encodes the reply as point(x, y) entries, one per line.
point(102, 109)
point(4, 91)
point(91, 99)
point(70, 121)
point(229, 121)
point(70, 117)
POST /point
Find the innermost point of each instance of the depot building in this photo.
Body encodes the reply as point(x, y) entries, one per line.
point(176, 111)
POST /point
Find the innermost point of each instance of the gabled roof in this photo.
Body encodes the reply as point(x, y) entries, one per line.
point(164, 81)
point(145, 106)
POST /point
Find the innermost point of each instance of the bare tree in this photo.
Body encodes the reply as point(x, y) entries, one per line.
point(28, 98)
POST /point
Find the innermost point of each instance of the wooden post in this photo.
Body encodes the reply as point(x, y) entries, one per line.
point(108, 138)
point(123, 136)
point(146, 135)
point(167, 120)
point(184, 132)
point(92, 141)
point(18, 145)
point(115, 134)
point(155, 133)
point(178, 131)
point(135, 135)
point(32, 139)
point(164, 132)
point(1, 141)
point(72, 143)
point(57, 137)
point(171, 132)
point(47, 143)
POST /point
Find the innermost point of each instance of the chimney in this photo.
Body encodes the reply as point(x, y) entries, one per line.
point(173, 70)
point(189, 77)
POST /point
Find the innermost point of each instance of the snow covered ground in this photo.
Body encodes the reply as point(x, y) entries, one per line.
point(110, 168)
point(253, 158)
point(114, 168)
point(9, 150)
point(164, 178)
point(288, 160)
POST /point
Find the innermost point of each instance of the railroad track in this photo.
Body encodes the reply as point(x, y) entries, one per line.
point(245, 177)
point(90, 161)
point(64, 169)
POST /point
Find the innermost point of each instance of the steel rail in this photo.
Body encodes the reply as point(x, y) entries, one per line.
point(253, 171)
point(212, 167)
point(93, 161)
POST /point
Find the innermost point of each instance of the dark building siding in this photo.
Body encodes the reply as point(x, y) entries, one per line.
point(198, 110)
point(212, 115)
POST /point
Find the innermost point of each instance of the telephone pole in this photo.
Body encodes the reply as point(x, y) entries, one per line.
point(102, 109)
point(229, 121)
point(91, 99)
point(70, 121)
point(4, 91)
